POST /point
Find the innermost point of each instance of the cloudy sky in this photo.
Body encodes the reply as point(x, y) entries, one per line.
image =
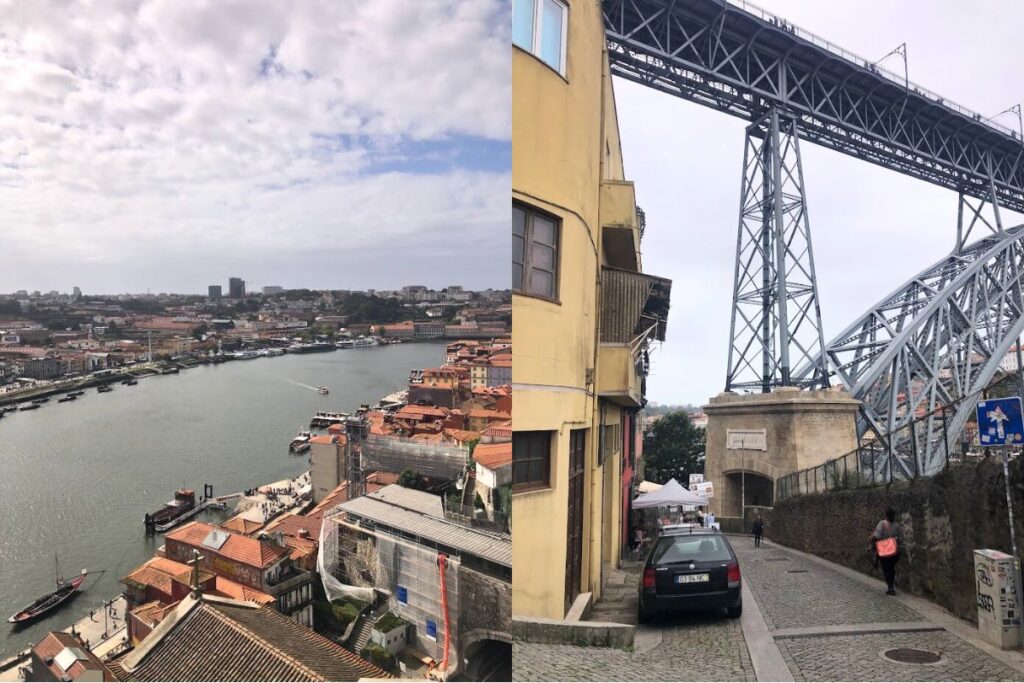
point(170, 144)
point(872, 228)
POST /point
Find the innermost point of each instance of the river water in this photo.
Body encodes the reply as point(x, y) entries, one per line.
point(76, 478)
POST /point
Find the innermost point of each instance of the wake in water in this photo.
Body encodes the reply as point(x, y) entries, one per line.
point(289, 381)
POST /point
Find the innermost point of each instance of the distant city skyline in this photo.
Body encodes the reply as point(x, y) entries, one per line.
point(148, 145)
point(250, 288)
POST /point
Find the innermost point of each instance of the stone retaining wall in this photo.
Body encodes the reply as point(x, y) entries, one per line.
point(945, 518)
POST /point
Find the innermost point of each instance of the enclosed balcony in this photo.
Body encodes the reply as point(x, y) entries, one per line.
point(634, 313)
point(620, 225)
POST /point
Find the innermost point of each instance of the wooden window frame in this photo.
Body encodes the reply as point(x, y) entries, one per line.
point(523, 288)
point(523, 438)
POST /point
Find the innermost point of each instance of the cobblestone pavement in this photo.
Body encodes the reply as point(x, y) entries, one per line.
point(820, 596)
point(700, 647)
point(697, 647)
point(793, 592)
point(858, 658)
point(796, 597)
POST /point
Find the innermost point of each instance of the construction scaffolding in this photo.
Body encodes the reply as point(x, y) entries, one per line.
point(355, 561)
point(394, 454)
point(332, 575)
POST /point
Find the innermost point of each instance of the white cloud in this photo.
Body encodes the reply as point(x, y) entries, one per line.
point(131, 130)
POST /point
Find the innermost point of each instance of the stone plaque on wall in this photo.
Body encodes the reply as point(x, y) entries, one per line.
point(746, 439)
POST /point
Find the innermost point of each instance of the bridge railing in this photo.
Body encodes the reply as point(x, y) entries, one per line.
point(775, 20)
point(871, 463)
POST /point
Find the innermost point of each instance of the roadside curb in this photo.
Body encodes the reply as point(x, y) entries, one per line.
point(580, 633)
point(765, 656)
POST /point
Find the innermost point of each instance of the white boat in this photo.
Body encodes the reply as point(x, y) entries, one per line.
point(300, 442)
point(357, 343)
point(323, 390)
point(248, 354)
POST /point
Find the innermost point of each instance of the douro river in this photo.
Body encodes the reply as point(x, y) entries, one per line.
point(76, 478)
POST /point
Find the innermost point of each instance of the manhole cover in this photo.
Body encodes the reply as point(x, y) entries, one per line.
point(912, 655)
point(776, 559)
point(797, 571)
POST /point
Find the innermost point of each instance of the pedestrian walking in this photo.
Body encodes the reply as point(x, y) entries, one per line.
point(885, 542)
point(638, 543)
point(757, 528)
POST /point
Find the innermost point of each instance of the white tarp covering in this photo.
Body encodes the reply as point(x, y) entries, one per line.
point(672, 493)
point(327, 566)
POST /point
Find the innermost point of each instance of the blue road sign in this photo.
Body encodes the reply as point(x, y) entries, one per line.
point(1000, 422)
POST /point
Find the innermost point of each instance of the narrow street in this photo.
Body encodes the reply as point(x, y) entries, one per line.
point(807, 616)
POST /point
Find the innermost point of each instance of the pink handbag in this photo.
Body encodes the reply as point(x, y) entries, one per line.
point(886, 547)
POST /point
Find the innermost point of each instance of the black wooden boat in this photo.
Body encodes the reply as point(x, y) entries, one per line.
point(40, 606)
point(184, 501)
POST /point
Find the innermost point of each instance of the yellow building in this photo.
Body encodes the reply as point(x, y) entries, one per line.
point(583, 313)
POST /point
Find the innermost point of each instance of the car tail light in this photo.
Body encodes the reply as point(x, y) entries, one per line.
point(649, 578)
point(734, 572)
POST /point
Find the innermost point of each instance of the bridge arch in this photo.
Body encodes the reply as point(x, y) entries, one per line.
point(936, 341)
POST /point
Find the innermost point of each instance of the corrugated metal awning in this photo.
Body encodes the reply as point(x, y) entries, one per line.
point(634, 305)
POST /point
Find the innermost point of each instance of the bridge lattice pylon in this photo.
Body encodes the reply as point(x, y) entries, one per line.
point(776, 319)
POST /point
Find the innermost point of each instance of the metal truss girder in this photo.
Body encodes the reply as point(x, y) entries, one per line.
point(937, 339)
point(722, 56)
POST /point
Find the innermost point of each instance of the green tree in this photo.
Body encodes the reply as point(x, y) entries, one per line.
point(412, 479)
point(673, 447)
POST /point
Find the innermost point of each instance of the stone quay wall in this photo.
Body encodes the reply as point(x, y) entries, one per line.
point(944, 519)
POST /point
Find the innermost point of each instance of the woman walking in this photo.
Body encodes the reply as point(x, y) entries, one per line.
point(886, 541)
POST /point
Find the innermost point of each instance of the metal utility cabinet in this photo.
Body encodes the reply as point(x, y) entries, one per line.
point(997, 577)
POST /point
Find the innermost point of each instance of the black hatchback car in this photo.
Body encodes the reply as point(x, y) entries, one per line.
point(690, 569)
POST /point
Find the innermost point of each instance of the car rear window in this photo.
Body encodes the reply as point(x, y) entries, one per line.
point(684, 548)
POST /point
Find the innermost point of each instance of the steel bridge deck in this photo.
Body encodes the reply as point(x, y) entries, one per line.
point(741, 60)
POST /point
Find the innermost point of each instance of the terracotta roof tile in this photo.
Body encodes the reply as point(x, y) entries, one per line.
point(249, 551)
point(264, 645)
point(493, 455)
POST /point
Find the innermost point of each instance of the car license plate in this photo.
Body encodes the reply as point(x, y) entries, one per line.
point(692, 578)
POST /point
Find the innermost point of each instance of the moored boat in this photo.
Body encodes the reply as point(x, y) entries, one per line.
point(67, 398)
point(300, 443)
point(30, 406)
point(184, 501)
point(42, 605)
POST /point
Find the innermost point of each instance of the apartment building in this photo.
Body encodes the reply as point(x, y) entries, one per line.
point(584, 311)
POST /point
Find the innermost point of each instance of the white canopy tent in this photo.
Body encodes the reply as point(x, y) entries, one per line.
point(672, 493)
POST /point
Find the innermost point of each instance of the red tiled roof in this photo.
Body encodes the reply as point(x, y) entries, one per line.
point(462, 435)
point(242, 525)
point(160, 572)
point(240, 548)
point(499, 429)
point(53, 643)
point(213, 640)
point(489, 414)
point(417, 411)
point(493, 455)
point(229, 589)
